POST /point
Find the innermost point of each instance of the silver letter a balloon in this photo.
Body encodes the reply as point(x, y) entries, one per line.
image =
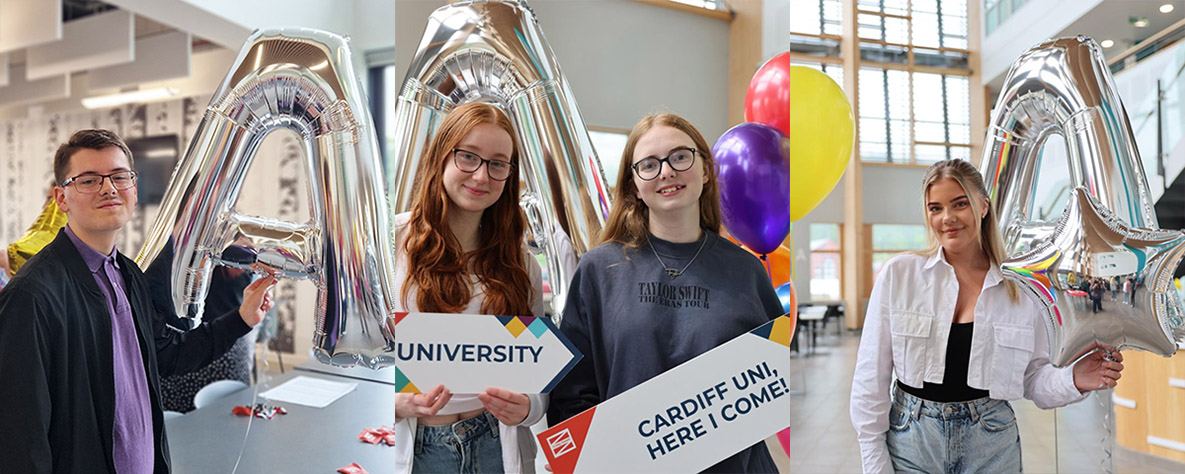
point(494, 52)
point(302, 80)
point(1107, 236)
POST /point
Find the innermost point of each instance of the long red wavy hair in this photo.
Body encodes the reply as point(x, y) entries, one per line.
point(437, 266)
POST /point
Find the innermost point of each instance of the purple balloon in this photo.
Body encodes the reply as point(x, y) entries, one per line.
point(754, 185)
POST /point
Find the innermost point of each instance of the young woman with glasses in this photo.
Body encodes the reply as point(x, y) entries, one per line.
point(663, 286)
point(961, 341)
point(461, 249)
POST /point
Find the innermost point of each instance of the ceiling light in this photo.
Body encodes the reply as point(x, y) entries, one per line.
point(1107, 43)
point(130, 97)
point(1138, 22)
point(1166, 8)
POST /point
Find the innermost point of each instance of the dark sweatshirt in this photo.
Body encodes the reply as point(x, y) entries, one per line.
point(633, 322)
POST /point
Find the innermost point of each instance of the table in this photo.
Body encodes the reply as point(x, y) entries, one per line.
point(812, 315)
point(384, 376)
point(306, 440)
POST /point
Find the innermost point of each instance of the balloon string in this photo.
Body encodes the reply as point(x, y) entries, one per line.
point(262, 380)
point(768, 271)
point(1107, 461)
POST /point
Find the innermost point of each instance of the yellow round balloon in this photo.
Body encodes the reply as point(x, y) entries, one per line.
point(822, 130)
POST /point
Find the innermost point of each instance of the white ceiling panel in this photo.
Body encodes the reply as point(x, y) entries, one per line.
point(196, 20)
point(158, 57)
point(25, 23)
point(22, 91)
point(102, 40)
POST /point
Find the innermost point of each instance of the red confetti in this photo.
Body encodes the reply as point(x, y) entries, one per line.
point(353, 468)
point(261, 411)
point(384, 435)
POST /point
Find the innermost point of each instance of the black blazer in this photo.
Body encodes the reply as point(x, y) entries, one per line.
point(57, 392)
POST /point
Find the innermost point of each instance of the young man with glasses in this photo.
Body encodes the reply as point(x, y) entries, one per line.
point(84, 346)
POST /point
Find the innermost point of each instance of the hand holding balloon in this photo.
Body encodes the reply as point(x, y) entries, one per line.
point(257, 300)
point(1098, 370)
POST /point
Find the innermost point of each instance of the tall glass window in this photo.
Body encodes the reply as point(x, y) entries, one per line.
point(912, 73)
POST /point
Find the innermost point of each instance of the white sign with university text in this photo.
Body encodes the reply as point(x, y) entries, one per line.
point(469, 352)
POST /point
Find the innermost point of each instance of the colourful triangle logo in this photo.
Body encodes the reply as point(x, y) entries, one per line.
point(782, 330)
point(516, 327)
point(562, 443)
point(397, 317)
point(538, 328)
point(403, 384)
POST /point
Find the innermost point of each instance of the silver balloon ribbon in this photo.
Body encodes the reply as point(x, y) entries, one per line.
point(495, 52)
point(302, 80)
point(1107, 462)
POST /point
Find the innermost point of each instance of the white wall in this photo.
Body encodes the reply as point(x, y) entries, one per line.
point(890, 195)
point(1032, 24)
point(623, 59)
point(775, 28)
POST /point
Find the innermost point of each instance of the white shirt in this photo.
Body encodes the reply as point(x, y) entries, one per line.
point(905, 335)
point(518, 445)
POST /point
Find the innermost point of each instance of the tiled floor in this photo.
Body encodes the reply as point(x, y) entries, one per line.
point(823, 441)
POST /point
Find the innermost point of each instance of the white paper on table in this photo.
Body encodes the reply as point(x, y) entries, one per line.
point(309, 391)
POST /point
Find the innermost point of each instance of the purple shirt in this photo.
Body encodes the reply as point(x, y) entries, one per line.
point(133, 449)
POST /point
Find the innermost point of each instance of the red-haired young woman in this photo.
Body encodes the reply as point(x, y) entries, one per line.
point(461, 249)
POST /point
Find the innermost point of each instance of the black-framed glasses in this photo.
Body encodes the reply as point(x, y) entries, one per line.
point(680, 159)
point(469, 162)
point(87, 183)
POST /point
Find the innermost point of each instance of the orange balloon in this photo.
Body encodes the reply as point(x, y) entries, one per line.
point(777, 264)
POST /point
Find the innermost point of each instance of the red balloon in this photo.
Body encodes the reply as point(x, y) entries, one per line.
point(768, 98)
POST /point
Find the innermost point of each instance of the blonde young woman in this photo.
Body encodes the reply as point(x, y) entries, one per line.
point(663, 286)
point(961, 341)
point(461, 249)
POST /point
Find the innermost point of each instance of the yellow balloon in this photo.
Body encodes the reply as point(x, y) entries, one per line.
point(822, 131)
point(40, 234)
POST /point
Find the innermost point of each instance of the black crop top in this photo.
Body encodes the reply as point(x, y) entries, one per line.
point(954, 379)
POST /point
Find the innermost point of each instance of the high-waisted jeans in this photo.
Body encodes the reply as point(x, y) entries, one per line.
point(467, 446)
point(974, 436)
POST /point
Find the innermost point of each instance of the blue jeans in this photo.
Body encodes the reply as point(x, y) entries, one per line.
point(975, 436)
point(467, 446)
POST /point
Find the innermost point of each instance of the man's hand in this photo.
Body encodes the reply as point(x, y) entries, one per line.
point(257, 300)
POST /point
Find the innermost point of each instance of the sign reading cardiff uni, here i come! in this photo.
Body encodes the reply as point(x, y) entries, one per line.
point(470, 352)
point(689, 417)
